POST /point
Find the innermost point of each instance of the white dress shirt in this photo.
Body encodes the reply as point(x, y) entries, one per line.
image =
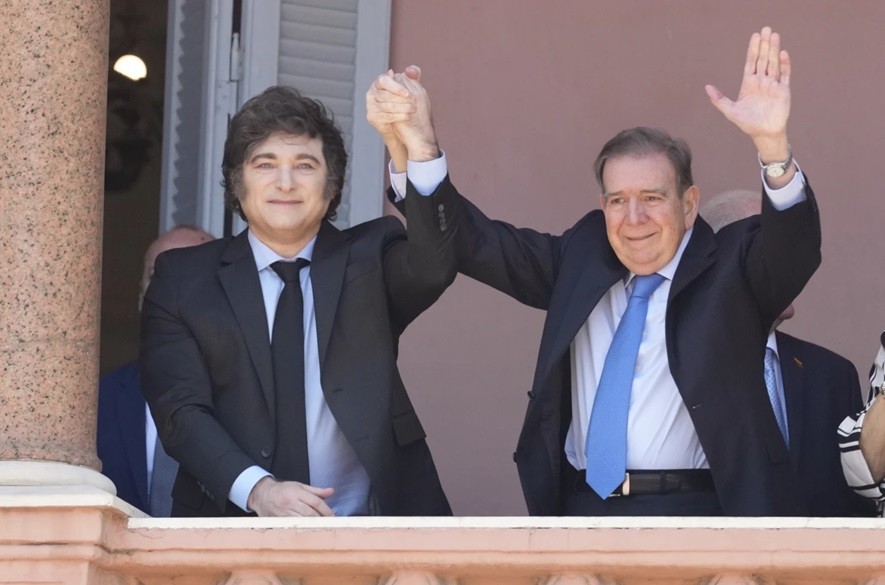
point(150, 443)
point(333, 462)
point(660, 434)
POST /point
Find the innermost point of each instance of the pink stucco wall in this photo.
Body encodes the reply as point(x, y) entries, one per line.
point(524, 95)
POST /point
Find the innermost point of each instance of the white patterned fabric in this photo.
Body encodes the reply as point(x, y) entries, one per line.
point(857, 472)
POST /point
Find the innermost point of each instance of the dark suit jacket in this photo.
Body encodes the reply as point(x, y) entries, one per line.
point(206, 359)
point(120, 438)
point(725, 295)
point(821, 388)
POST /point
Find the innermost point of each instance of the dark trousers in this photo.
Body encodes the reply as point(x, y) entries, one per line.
point(579, 501)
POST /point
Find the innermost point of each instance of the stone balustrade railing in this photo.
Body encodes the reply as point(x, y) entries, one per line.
point(82, 535)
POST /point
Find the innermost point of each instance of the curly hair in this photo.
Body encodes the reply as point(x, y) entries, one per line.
point(281, 109)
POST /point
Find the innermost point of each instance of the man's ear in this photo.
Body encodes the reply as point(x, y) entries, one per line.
point(690, 200)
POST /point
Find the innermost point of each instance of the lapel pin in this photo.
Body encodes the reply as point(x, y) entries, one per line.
point(797, 362)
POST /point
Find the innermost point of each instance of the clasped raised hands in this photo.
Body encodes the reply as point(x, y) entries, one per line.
point(398, 107)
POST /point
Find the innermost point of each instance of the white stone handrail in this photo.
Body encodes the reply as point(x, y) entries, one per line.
point(96, 532)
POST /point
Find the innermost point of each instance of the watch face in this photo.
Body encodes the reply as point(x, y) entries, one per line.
point(775, 171)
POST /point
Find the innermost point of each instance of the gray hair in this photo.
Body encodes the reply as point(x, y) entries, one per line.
point(644, 141)
point(731, 206)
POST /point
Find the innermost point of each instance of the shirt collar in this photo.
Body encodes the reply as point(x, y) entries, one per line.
point(264, 256)
point(772, 343)
point(668, 271)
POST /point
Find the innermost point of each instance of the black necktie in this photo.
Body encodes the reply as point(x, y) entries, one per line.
point(287, 348)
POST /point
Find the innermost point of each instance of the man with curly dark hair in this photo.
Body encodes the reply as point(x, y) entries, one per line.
point(269, 360)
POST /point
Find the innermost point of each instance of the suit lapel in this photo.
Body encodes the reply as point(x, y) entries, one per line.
point(327, 268)
point(793, 374)
point(697, 257)
point(130, 408)
point(239, 278)
point(599, 270)
point(584, 282)
point(585, 295)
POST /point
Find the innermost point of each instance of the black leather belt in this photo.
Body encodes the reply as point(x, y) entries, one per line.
point(666, 481)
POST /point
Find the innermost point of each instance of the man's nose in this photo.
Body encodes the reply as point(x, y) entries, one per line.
point(635, 211)
point(284, 179)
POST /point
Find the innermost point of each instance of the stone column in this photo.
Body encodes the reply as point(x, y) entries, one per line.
point(53, 75)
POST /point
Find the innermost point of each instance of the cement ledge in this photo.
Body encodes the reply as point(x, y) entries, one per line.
point(509, 522)
point(56, 496)
point(52, 473)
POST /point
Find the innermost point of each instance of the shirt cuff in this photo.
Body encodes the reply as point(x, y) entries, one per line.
point(242, 487)
point(425, 176)
point(788, 195)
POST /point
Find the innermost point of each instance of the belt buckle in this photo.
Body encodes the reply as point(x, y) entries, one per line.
point(623, 489)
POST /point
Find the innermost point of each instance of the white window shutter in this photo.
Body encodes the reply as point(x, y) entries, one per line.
point(330, 50)
point(181, 117)
point(201, 95)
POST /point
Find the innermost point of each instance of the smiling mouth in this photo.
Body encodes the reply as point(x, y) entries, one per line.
point(639, 238)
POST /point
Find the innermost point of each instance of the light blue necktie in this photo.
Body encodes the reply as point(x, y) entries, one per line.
point(773, 394)
point(606, 445)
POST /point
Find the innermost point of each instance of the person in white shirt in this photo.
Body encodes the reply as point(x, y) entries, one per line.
point(862, 439)
point(667, 415)
point(126, 439)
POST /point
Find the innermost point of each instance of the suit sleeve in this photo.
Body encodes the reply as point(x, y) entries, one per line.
point(783, 254)
point(176, 384)
point(420, 265)
point(519, 262)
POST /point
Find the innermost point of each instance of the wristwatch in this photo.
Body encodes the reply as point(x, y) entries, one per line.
point(775, 169)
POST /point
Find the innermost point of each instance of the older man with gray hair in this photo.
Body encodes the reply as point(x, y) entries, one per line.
point(131, 456)
point(811, 389)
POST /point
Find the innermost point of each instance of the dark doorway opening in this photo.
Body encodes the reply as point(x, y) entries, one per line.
point(132, 171)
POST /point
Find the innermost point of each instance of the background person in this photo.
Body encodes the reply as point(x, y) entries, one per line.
point(811, 389)
point(862, 439)
point(131, 455)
